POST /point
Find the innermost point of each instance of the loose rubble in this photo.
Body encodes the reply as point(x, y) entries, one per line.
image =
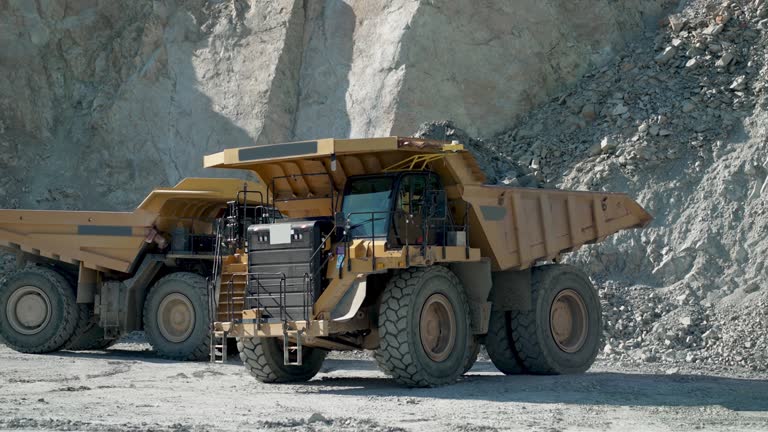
point(672, 325)
point(679, 122)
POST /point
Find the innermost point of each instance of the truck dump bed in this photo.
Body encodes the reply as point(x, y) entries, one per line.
point(519, 226)
point(515, 227)
point(113, 240)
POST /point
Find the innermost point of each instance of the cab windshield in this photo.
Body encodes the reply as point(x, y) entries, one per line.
point(367, 203)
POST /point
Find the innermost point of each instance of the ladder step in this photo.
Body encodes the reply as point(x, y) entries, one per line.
point(287, 347)
point(218, 352)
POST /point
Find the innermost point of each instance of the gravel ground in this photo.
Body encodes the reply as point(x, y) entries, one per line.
point(129, 388)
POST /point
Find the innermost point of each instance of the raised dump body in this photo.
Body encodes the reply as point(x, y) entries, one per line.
point(122, 271)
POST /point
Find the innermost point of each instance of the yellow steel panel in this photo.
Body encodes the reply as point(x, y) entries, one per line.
point(547, 226)
point(366, 145)
point(545, 222)
point(111, 240)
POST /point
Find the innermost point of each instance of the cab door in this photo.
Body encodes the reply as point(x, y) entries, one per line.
point(414, 209)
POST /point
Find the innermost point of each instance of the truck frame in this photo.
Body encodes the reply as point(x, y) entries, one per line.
point(396, 245)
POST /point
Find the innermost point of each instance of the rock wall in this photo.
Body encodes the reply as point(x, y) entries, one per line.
point(483, 64)
point(101, 101)
point(380, 68)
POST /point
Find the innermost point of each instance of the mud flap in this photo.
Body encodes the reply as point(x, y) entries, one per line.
point(512, 290)
point(477, 282)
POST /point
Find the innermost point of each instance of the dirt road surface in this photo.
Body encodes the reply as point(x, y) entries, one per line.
point(129, 388)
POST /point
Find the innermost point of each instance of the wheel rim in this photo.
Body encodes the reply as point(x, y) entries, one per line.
point(568, 321)
point(437, 327)
point(28, 310)
point(176, 317)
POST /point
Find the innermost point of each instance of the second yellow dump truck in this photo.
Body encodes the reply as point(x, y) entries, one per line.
point(83, 278)
point(396, 245)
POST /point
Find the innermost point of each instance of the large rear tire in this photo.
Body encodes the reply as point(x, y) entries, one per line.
point(474, 352)
point(500, 346)
point(38, 310)
point(176, 317)
point(560, 334)
point(91, 338)
point(424, 328)
point(263, 358)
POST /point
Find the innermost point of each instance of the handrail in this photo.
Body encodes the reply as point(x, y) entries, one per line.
point(322, 242)
point(282, 293)
point(217, 264)
point(428, 221)
point(372, 220)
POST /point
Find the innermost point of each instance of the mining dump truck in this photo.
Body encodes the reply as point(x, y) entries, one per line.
point(396, 245)
point(86, 278)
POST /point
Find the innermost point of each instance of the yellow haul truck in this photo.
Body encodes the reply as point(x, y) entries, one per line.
point(85, 278)
point(396, 245)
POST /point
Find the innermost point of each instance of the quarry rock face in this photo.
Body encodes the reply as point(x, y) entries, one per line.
point(100, 102)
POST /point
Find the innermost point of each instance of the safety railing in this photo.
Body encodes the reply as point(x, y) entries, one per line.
point(376, 216)
point(441, 222)
point(212, 283)
point(259, 294)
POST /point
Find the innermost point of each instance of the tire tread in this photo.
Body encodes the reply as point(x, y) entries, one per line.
point(393, 355)
point(71, 310)
point(264, 365)
point(523, 324)
point(200, 288)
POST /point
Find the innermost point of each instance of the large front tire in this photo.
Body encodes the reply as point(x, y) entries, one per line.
point(560, 334)
point(176, 318)
point(38, 310)
point(424, 328)
point(263, 358)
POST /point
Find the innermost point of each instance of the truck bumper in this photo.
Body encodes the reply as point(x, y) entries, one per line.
point(252, 328)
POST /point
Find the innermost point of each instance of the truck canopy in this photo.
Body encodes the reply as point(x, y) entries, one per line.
point(305, 177)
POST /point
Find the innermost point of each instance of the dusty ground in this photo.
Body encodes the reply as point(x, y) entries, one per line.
point(128, 388)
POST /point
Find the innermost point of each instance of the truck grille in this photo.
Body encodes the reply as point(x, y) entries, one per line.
point(284, 269)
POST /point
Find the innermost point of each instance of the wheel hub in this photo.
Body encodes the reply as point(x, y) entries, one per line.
point(28, 310)
point(176, 317)
point(568, 320)
point(437, 327)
